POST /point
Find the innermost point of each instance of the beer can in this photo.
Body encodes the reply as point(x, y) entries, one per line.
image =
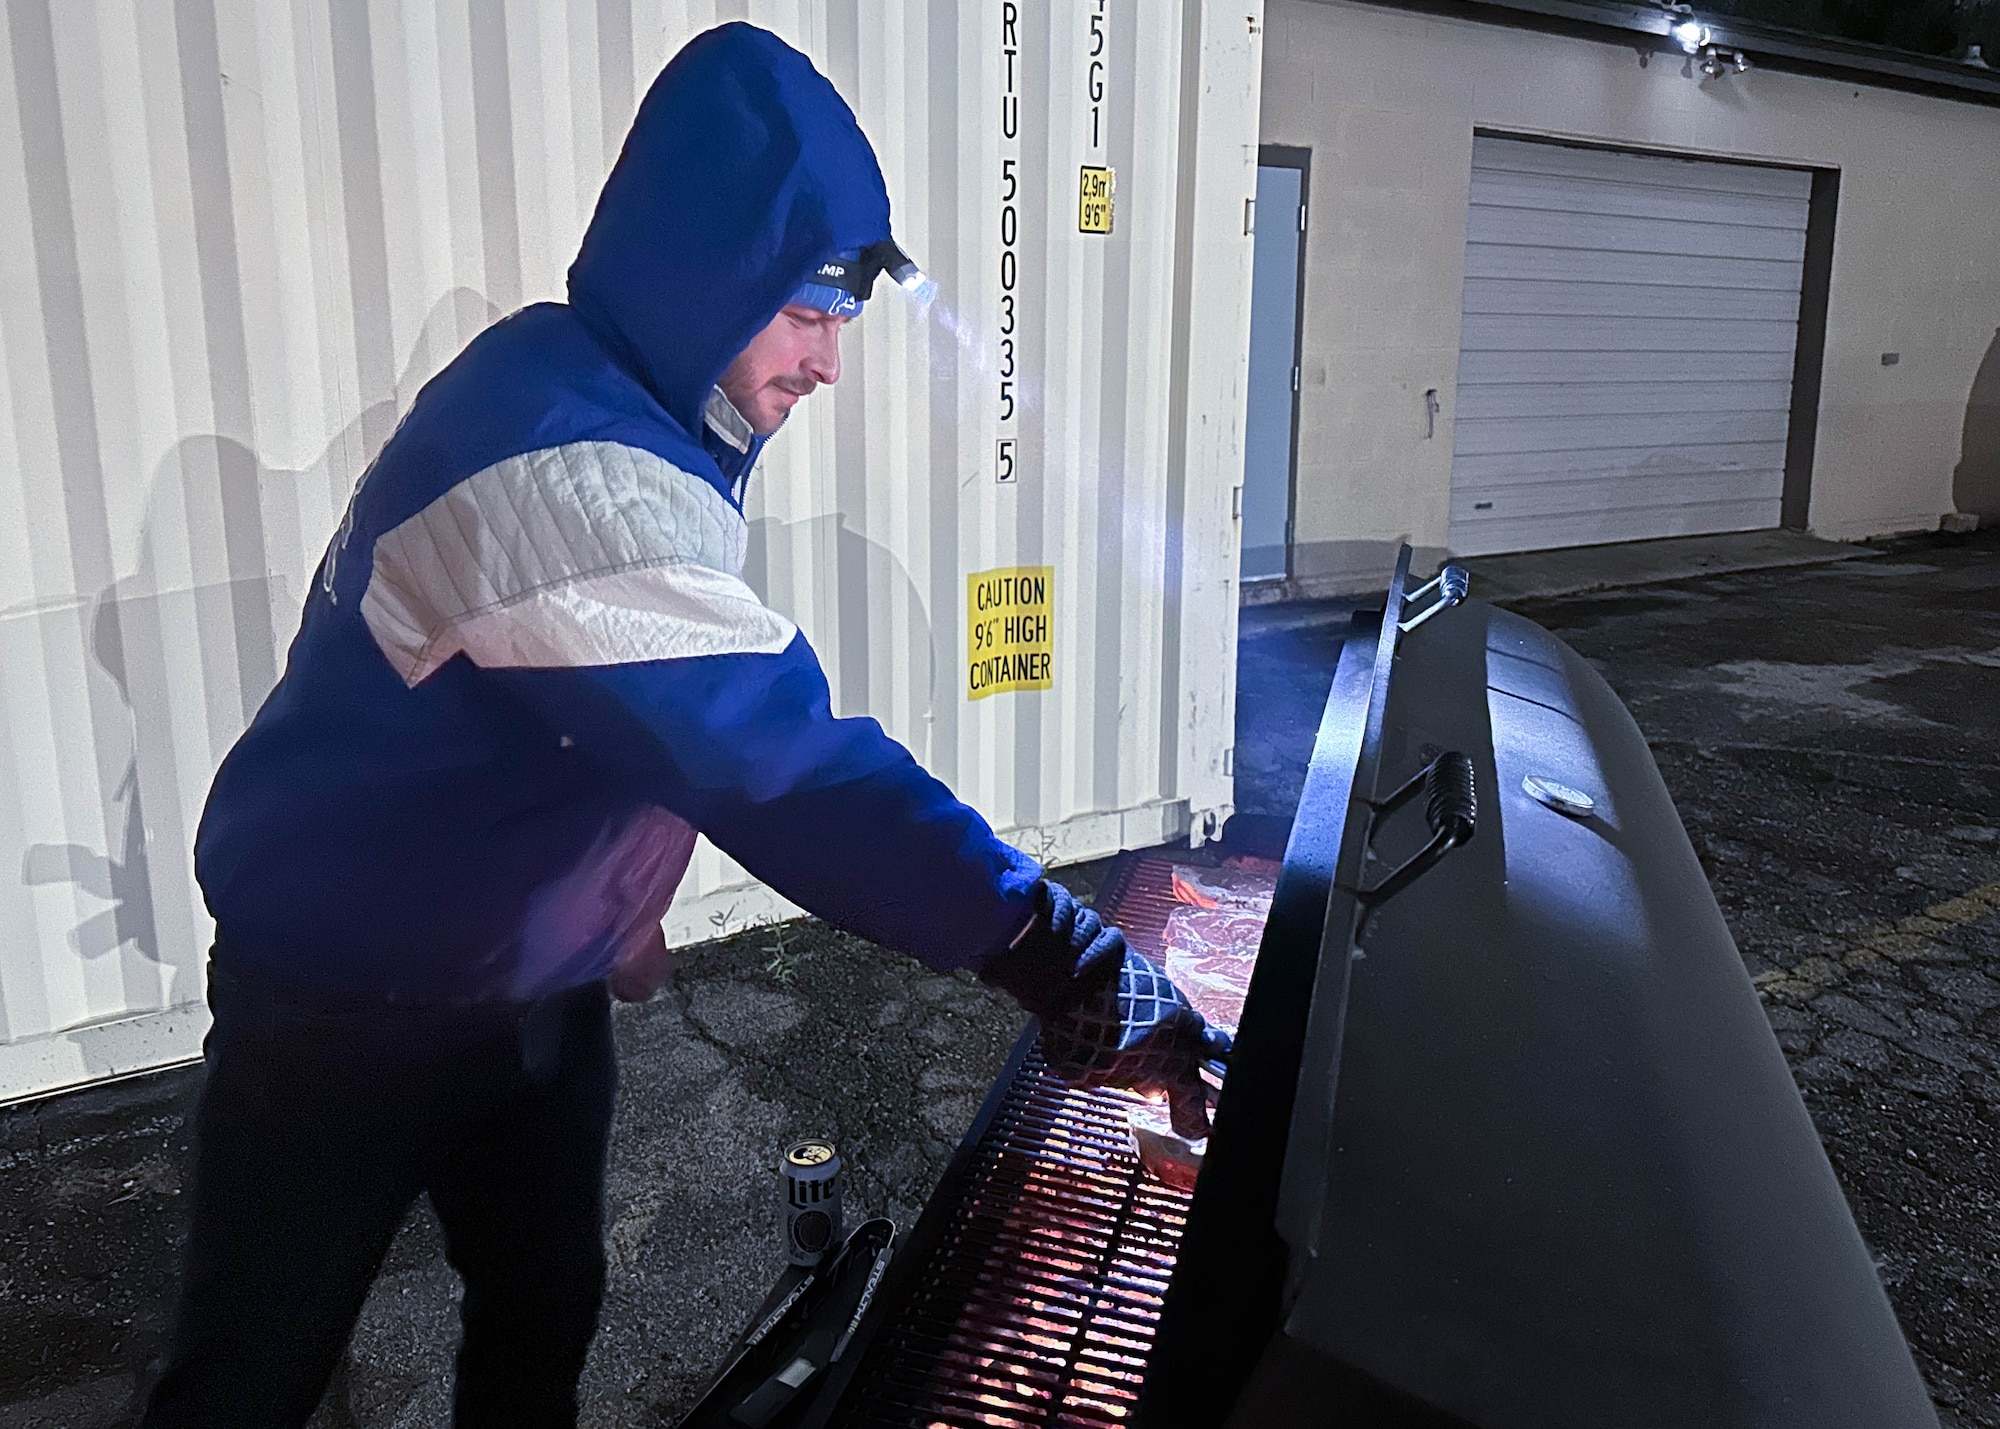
point(809, 1200)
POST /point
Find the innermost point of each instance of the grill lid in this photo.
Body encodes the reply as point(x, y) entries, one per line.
point(1543, 1163)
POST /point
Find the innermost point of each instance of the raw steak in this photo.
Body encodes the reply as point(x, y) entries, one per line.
point(1244, 885)
point(1163, 1151)
point(1209, 953)
point(1209, 948)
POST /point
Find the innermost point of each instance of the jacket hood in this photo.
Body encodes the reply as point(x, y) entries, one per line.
point(743, 169)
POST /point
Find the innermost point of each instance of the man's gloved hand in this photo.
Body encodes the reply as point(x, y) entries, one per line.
point(1110, 1018)
point(1138, 1031)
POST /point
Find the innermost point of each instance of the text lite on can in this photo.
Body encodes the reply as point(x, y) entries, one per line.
point(809, 1199)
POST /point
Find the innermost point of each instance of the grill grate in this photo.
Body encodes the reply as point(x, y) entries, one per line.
point(1038, 1306)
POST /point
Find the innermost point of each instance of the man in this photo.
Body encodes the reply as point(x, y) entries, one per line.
point(529, 670)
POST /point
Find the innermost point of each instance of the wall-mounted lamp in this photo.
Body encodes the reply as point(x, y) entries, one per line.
point(1697, 41)
point(1692, 36)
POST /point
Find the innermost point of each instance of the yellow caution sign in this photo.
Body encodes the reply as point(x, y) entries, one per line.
point(1093, 200)
point(1010, 630)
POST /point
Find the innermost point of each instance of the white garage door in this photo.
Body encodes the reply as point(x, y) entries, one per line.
point(1626, 369)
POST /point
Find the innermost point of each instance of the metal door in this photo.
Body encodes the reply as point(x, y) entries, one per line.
point(1270, 430)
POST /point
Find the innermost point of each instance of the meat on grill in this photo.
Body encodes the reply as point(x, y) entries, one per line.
point(1208, 948)
point(1244, 884)
point(1209, 955)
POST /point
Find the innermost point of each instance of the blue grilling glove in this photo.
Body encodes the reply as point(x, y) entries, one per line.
point(1110, 1018)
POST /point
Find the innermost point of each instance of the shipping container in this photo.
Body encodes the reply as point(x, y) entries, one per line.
point(243, 235)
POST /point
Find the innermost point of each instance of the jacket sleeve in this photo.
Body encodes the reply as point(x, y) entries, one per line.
point(832, 813)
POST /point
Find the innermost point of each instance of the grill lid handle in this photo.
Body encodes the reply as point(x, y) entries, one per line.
point(1451, 808)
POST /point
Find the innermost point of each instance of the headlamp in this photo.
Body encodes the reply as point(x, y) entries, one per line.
point(904, 272)
point(856, 276)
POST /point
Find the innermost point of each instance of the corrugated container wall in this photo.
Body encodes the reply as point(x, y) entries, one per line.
point(244, 233)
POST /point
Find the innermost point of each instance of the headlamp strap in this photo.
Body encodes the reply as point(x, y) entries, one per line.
point(857, 275)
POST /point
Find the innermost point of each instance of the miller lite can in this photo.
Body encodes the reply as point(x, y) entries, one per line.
point(809, 1199)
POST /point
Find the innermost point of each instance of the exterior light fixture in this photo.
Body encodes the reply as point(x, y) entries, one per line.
point(1705, 58)
point(1692, 36)
point(1717, 62)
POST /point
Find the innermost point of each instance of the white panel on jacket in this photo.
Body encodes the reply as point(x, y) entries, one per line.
point(591, 553)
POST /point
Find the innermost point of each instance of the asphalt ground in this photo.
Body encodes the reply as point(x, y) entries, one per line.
point(1831, 735)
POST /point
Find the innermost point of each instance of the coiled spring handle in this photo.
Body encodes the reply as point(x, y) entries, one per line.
point(1451, 808)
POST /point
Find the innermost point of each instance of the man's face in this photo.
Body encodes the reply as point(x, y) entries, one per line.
point(798, 350)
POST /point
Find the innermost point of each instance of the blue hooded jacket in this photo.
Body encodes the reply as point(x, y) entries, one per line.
point(529, 663)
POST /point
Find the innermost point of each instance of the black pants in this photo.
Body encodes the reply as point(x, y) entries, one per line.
point(320, 1123)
